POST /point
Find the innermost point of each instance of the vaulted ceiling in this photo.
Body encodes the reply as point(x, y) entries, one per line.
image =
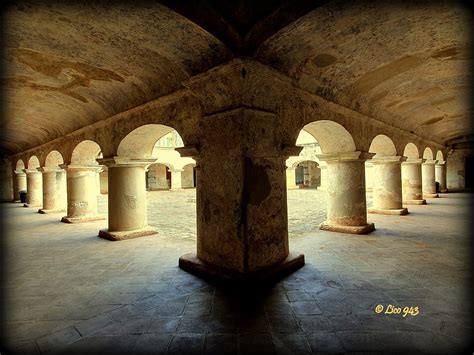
point(67, 66)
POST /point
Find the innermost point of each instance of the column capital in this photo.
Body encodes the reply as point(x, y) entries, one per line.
point(430, 162)
point(188, 151)
point(19, 172)
point(117, 161)
point(388, 159)
point(78, 167)
point(440, 162)
point(414, 161)
point(176, 170)
point(31, 171)
point(47, 169)
point(345, 156)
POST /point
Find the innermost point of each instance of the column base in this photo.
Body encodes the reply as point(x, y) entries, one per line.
point(124, 235)
point(369, 227)
point(57, 210)
point(444, 190)
point(192, 264)
point(96, 217)
point(414, 202)
point(15, 201)
point(391, 211)
point(431, 195)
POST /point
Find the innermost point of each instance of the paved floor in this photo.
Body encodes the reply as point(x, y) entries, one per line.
point(68, 291)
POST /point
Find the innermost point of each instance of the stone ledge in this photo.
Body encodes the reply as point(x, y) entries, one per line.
point(192, 264)
point(369, 227)
point(57, 210)
point(431, 195)
point(391, 211)
point(124, 235)
point(414, 202)
point(66, 219)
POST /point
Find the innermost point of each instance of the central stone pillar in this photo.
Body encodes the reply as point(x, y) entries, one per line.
point(387, 186)
point(242, 222)
point(346, 196)
point(411, 182)
point(176, 179)
point(34, 195)
point(127, 198)
point(20, 184)
point(440, 175)
point(52, 190)
point(81, 193)
point(290, 178)
point(428, 179)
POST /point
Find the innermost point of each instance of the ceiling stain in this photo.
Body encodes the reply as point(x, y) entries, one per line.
point(443, 101)
point(452, 53)
point(433, 120)
point(376, 77)
point(323, 60)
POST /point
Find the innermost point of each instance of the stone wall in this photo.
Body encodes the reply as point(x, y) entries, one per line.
point(455, 168)
point(6, 180)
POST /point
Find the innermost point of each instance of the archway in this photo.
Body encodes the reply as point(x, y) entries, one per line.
point(188, 176)
point(411, 176)
point(34, 183)
point(147, 163)
point(346, 211)
point(20, 182)
point(54, 184)
point(307, 174)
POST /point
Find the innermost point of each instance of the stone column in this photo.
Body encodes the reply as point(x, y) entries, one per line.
point(52, 191)
point(127, 199)
point(176, 179)
point(290, 178)
point(104, 181)
point(324, 177)
point(97, 181)
point(34, 196)
point(81, 193)
point(440, 175)
point(387, 186)
point(428, 179)
point(242, 226)
point(411, 182)
point(20, 184)
point(346, 196)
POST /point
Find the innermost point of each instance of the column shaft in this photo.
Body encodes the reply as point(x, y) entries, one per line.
point(127, 200)
point(346, 196)
point(440, 175)
point(290, 178)
point(51, 191)
point(81, 194)
point(387, 186)
point(20, 184)
point(428, 179)
point(176, 180)
point(34, 196)
point(411, 182)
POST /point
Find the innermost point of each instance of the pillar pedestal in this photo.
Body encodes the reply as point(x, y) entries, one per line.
point(51, 191)
point(387, 186)
point(242, 226)
point(127, 199)
point(34, 195)
point(346, 199)
point(81, 194)
point(440, 175)
point(20, 184)
point(428, 179)
point(411, 182)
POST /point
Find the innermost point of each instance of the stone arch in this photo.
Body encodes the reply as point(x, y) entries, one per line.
point(382, 146)
point(188, 176)
point(411, 151)
point(19, 166)
point(439, 155)
point(331, 136)
point(302, 160)
point(86, 153)
point(140, 142)
point(428, 153)
point(54, 159)
point(33, 163)
point(157, 177)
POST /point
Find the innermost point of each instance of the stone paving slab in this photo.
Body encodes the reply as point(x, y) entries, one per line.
point(68, 291)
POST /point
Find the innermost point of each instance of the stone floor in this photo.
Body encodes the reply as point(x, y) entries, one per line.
point(68, 291)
